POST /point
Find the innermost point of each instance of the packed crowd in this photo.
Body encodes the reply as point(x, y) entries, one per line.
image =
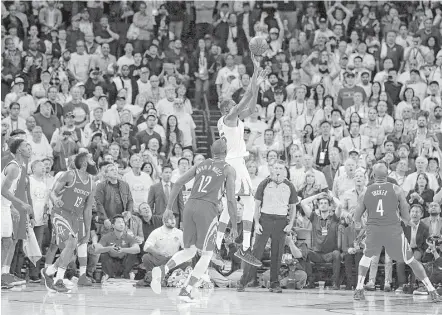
point(350, 83)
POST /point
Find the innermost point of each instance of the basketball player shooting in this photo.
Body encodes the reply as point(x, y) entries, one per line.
point(73, 197)
point(200, 216)
point(382, 201)
point(231, 130)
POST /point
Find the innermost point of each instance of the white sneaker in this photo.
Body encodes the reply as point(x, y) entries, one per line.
point(131, 275)
point(370, 286)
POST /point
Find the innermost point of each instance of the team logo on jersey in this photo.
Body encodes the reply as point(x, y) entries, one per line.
point(210, 239)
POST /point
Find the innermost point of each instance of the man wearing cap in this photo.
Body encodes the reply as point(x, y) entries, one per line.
point(346, 94)
point(322, 31)
point(46, 120)
point(69, 129)
point(97, 125)
point(26, 101)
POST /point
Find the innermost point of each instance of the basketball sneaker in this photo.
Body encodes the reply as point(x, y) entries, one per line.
point(420, 291)
point(240, 287)
point(158, 274)
point(370, 286)
point(6, 285)
point(12, 279)
point(48, 280)
point(387, 287)
point(247, 257)
point(185, 296)
point(84, 281)
point(359, 295)
point(60, 287)
point(275, 289)
point(435, 297)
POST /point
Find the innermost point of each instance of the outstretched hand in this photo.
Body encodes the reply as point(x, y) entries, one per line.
point(262, 76)
point(255, 61)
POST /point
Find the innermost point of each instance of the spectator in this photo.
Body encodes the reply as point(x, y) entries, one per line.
point(139, 182)
point(117, 251)
point(14, 121)
point(46, 120)
point(160, 246)
point(159, 195)
point(325, 232)
point(421, 194)
point(433, 222)
point(113, 196)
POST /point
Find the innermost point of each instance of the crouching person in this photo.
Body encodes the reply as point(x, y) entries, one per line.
point(160, 246)
point(118, 251)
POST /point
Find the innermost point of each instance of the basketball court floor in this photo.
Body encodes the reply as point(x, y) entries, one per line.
point(34, 300)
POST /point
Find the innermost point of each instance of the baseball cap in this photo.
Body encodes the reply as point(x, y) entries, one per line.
point(18, 80)
point(353, 151)
point(69, 114)
point(219, 147)
point(403, 145)
point(79, 84)
point(103, 95)
point(322, 20)
point(350, 74)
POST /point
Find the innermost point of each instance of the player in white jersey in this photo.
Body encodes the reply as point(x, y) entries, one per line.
point(231, 130)
point(10, 181)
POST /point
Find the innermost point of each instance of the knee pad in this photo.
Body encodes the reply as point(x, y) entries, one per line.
point(365, 261)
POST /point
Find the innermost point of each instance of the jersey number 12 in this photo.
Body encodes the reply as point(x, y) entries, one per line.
point(380, 208)
point(205, 181)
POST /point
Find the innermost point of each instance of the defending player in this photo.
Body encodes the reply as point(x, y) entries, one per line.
point(231, 130)
point(12, 176)
point(382, 201)
point(73, 197)
point(201, 215)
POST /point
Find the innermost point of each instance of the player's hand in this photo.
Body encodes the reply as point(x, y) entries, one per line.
point(258, 228)
point(107, 224)
point(351, 251)
point(26, 207)
point(255, 61)
point(58, 202)
point(288, 229)
point(32, 223)
point(262, 76)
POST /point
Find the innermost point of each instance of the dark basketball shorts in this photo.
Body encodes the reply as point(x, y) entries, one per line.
point(200, 224)
point(64, 226)
point(392, 238)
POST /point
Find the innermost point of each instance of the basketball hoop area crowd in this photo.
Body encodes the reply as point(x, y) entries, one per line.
point(350, 83)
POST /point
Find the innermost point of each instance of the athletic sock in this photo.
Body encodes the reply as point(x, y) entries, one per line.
point(82, 270)
point(60, 274)
point(6, 269)
point(51, 270)
point(360, 285)
point(428, 284)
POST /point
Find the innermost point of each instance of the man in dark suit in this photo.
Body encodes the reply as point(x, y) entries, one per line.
point(417, 237)
point(434, 221)
point(159, 196)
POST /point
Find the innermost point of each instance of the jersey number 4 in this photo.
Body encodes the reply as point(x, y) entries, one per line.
point(205, 181)
point(380, 208)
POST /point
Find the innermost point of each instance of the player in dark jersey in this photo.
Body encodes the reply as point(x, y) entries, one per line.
point(386, 205)
point(201, 215)
point(73, 197)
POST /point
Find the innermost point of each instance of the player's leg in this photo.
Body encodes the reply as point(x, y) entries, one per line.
point(222, 224)
point(66, 237)
point(205, 241)
point(373, 245)
point(82, 258)
point(246, 194)
point(400, 250)
point(10, 225)
point(189, 251)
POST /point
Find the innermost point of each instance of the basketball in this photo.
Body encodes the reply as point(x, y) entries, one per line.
point(258, 46)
